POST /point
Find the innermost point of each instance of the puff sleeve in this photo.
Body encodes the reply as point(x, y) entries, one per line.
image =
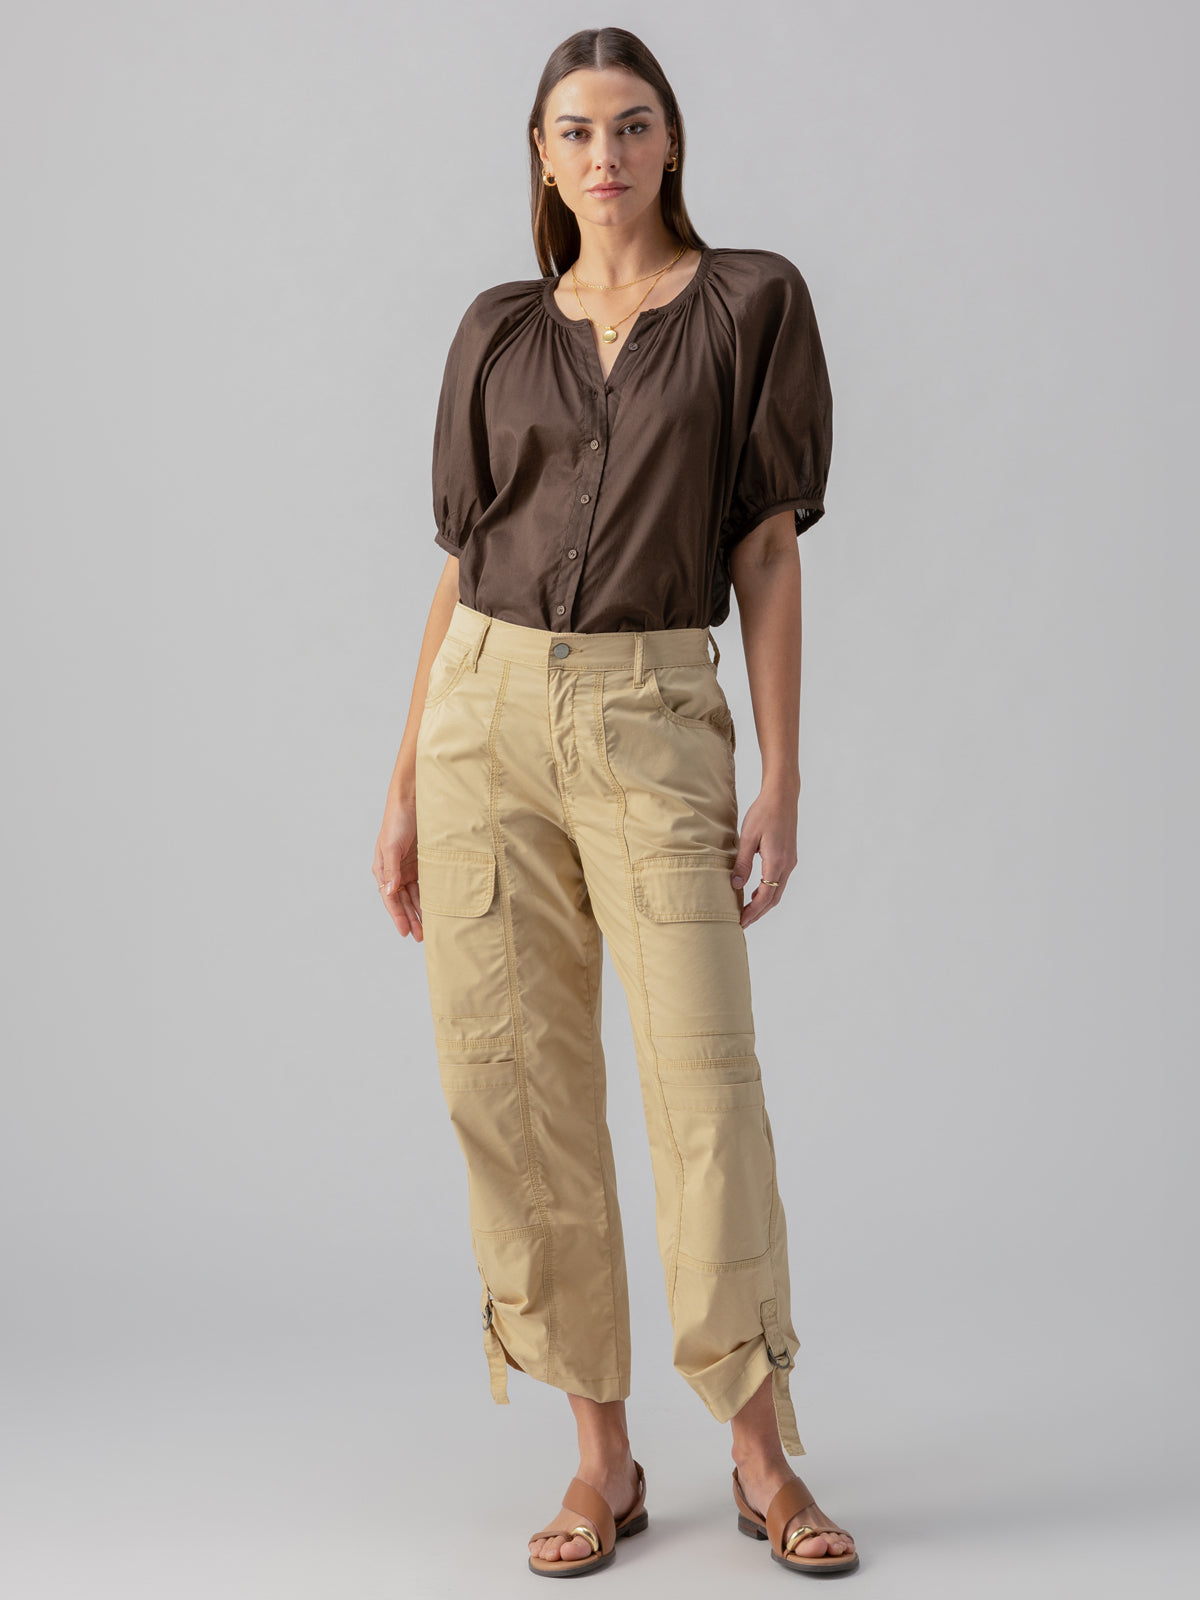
point(462, 479)
point(782, 406)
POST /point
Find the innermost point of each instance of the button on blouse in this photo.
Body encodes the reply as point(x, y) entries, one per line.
point(576, 501)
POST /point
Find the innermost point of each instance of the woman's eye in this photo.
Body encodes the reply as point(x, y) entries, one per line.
point(572, 134)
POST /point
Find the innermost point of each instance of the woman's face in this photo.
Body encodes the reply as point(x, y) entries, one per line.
point(606, 143)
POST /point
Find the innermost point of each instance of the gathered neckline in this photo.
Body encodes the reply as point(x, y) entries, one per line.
point(554, 310)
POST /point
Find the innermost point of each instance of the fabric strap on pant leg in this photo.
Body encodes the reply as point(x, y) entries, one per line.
point(781, 1371)
point(497, 1365)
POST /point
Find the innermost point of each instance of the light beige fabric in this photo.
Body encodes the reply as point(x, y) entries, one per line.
point(564, 795)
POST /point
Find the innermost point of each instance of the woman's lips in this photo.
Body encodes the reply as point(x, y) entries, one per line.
point(607, 190)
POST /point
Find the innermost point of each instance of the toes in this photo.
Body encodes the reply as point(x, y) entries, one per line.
point(814, 1545)
point(558, 1547)
point(827, 1542)
point(577, 1546)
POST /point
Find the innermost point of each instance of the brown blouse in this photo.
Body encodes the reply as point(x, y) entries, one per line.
point(582, 504)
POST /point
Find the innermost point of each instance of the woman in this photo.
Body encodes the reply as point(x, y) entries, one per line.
point(618, 443)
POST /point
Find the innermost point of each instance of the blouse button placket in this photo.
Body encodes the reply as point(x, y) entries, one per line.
point(579, 530)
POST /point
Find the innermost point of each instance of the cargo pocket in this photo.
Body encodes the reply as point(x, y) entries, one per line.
point(694, 960)
point(686, 886)
point(459, 883)
point(466, 957)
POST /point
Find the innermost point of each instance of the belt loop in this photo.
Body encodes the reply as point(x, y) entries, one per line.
point(478, 645)
point(639, 655)
point(716, 648)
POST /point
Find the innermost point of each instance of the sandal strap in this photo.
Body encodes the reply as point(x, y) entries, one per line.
point(794, 1496)
point(582, 1498)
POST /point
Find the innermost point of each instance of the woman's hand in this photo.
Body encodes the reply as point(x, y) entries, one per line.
point(395, 866)
point(770, 832)
point(765, 571)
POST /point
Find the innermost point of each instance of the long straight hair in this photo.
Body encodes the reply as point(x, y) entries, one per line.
point(555, 230)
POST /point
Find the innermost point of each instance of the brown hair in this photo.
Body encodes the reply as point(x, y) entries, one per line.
point(555, 230)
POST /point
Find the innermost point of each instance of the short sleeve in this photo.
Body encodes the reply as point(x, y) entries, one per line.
point(462, 481)
point(782, 409)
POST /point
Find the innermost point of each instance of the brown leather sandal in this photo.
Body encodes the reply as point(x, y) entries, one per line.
point(583, 1500)
point(790, 1499)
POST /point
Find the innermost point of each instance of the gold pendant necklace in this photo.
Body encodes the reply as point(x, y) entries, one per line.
point(609, 332)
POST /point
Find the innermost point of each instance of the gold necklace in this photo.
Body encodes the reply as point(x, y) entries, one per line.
point(609, 332)
point(628, 285)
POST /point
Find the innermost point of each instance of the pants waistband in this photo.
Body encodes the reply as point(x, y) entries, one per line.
point(573, 652)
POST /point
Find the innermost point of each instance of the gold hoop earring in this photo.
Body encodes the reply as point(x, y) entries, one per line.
point(671, 165)
point(548, 179)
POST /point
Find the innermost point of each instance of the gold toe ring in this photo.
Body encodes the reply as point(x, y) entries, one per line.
point(794, 1538)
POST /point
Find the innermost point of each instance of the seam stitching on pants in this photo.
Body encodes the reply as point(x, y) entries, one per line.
point(559, 785)
point(439, 1016)
point(592, 972)
point(780, 1379)
point(691, 1062)
point(740, 1264)
point(531, 1165)
point(631, 899)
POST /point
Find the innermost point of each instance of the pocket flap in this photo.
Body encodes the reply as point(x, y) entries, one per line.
point(686, 887)
point(458, 883)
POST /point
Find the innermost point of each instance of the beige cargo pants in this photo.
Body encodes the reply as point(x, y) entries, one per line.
point(572, 786)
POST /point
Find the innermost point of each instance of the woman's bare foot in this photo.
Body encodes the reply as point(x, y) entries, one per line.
point(763, 1470)
point(605, 1462)
point(761, 1481)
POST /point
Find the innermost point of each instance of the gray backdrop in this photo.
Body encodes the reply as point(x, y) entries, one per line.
point(242, 1353)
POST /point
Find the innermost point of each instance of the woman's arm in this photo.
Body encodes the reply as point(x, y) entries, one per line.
point(764, 571)
point(395, 862)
